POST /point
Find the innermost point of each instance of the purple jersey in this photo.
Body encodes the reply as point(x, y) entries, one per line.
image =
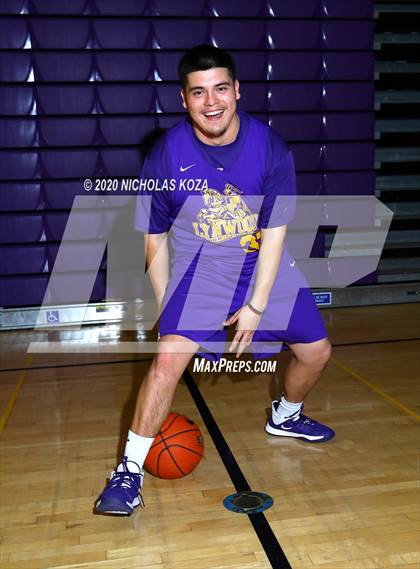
point(257, 163)
point(214, 201)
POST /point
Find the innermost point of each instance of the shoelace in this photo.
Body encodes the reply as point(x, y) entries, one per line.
point(124, 480)
point(306, 420)
point(128, 482)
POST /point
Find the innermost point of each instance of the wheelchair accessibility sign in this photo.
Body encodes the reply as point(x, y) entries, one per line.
point(52, 316)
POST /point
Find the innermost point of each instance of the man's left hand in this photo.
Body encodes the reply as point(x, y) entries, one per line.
point(247, 323)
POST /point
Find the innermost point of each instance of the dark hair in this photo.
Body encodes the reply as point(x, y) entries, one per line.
point(203, 57)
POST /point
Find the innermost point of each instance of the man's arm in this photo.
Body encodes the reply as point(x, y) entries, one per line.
point(271, 249)
point(157, 260)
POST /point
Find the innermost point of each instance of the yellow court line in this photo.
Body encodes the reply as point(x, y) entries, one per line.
point(12, 399)
point(378, 390)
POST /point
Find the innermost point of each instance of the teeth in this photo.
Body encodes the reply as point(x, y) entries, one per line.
point(213, 113)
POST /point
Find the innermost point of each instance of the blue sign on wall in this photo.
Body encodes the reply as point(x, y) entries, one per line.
point(52, 316)
point(322, 298)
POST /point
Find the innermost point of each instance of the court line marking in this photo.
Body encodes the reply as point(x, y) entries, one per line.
point(262, 528)
point(81, 364)
point(12, 399)
point(392, 400)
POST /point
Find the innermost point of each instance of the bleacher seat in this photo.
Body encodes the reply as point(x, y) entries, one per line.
point(19, 165)
point(346, 9)
point(238, 34)
point(121, 161)
point(13, 33)
point(68, 163)
point(15, 66)
point(164, 122)
point(301, 9)
point(254, 97)
point(294, 96)
point(251, 65)
point(118, 8)
point(16, 100)
point(17, 228)
point(294, 34)
point(74, 287)
point(348, 156)
point(294, 66)
point(347, 34)
point(15, 196)
point(21, 259)
point(84, 225)
point(124, 33)
point(349, 183)
point(131, 99)
point(295, 126)
point(307, 156)
point(62, 66)
point(126, 130)
point(344, 66)
point(65, 99)
point(23, 290)
point(64, 7)
point(75, 256)
point(348, 96)
point(64, 131)
point(59, 194)
point(242, 9)
point(327, 126)
point(348, 126)
point(165, 64)
point(55, 225)
point(18, 132)
point(309, 183)
point(12, 6)
point(66, 33)
point(168, 98)
point(124, 66)
point(179, 34)
point(179, 8)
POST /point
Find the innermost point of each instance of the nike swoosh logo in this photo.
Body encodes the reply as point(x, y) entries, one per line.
point(183, 169)
point(286, 428)
point(220, 169)
point(292, 264)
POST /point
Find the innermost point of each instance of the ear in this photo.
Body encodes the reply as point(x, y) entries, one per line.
point(184, 104)
point(237, 93)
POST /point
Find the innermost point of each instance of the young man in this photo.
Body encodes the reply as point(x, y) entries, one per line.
point(220, 231)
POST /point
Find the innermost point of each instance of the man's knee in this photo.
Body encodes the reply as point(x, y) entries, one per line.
point(315, 355)
point(166, 367)
point(322, 354)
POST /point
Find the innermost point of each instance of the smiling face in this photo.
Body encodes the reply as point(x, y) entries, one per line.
point(210, 98)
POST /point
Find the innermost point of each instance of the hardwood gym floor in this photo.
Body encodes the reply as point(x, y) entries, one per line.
point(348, 504)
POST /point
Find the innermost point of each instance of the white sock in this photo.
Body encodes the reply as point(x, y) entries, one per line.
point(136, 450)
point(285, 409)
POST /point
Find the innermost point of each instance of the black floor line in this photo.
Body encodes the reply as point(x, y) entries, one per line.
point(149, 359)
point(261, 526)
point(33, 368)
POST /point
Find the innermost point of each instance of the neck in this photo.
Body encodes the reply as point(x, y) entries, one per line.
point(227, 137)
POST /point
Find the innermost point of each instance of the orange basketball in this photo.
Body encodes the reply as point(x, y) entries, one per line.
point(177, 449)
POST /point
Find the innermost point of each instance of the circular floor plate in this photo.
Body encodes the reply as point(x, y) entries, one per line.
point(248, 502)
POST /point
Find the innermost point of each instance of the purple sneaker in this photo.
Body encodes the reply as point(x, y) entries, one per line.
point(122, 493)
point(299, 426)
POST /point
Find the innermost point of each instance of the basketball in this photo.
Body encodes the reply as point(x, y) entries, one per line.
point(177, 449)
